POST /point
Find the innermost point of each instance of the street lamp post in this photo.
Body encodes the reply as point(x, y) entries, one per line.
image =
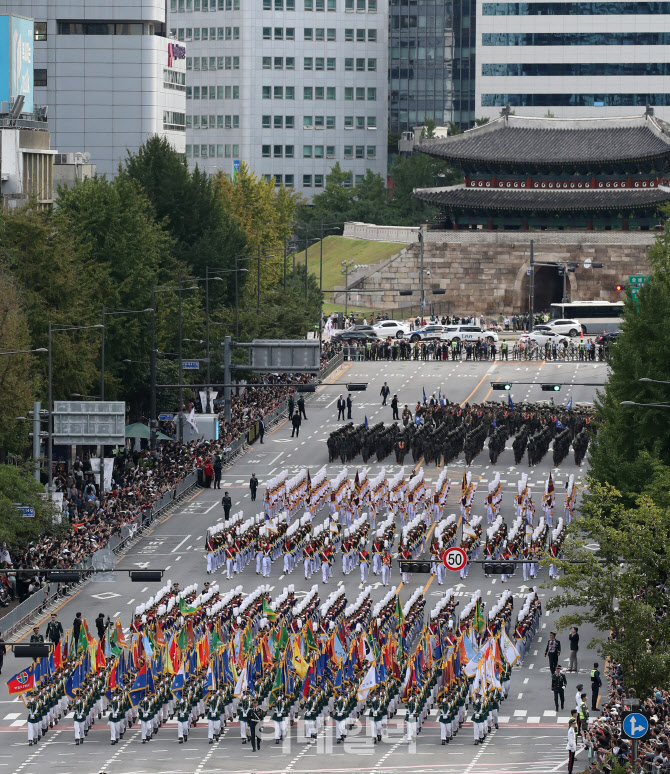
point(153, 421)
point(50, 441)
point(346, 271)
point(106, 312)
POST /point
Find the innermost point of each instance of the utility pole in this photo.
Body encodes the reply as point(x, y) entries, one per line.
point(227, 414)
point(258, 289)
point(50, 441)
point(37, 426)
point(208, 407)
point(102, 359)
point(306, 252)
point(531, 295)
point(423, 298)
point(180, 428)
point(284, 265)
point(153, 420)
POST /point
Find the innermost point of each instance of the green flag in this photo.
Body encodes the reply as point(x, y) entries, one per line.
point(216, 642)
point(248, 644)
point(283, 637)
point(309, 636)
point(82, 644)
point(186, 609)
point(478, 620)
point(400, 616)
point(182, 639)
point(268, 612)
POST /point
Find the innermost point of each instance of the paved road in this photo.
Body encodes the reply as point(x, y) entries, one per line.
point(531, 737)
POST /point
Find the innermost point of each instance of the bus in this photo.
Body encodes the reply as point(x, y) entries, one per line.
point(595, 316)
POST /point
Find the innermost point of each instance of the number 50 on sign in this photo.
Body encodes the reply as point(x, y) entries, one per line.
point(454, 559)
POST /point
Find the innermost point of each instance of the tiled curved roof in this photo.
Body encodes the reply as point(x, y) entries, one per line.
point(527, 145)
point(533, 199)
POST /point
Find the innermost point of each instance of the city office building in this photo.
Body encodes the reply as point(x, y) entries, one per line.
point(573, 59)
point(288, 86)
point(108, 75)
point(431, 63)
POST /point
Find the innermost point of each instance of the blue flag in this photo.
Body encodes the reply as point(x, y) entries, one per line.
point(417, 420)
point(178, 682)
point(73, 682)
point(227, 671)
point(559, 424)
point(493, 422)
point(568, 405)
point(509, 400)
point(424, 396)
point(366, 421)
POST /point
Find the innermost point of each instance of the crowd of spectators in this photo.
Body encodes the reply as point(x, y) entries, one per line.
point(606, 749)
point(140, 478)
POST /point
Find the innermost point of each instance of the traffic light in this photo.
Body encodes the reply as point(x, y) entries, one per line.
point(618, 288)
point(550, 387)
point(501, 386)
point(357, 387)
point(412, 565)
point(306, 388)
point(146, 576)
point(63, 576)
point(32, 651)
point(501, 568)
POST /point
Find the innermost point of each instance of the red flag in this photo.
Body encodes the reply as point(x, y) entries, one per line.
point(100, 657)
point(160, 640)
point(111, 681)
point(58, 656)
point(120, 636)
point(189, 632)
point(174, 658)
point(308, 681)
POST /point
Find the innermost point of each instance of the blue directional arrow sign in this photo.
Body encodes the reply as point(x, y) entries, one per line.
point(635, 725)
point(26, 511)
point(190, 365)
point(165, 417)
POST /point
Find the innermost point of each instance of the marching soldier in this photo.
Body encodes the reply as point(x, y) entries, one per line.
point(364, 559)
point(243, 711)
point(279, 717)
point(386, 564)
point(146, 719)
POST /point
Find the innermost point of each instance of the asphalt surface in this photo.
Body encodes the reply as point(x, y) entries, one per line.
point(531, 738)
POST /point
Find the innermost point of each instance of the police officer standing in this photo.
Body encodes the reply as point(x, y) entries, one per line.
point(253, 486)
point(254, 717)
point(340, 407)
point(301, 408)
point(394, 407)
point(227, 505)
point(596, 682)
point(553, 651)
point(349, 405)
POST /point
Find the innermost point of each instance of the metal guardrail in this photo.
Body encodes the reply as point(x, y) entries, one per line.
point(41, 600)
point(334, 363)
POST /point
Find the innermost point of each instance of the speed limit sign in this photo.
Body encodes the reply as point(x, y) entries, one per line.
point(454, 559)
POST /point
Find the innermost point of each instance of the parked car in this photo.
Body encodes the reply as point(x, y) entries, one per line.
point(541, 336)
point(427, 333)
point(467, 333)
point(571, 328)
point(392, 328)
point(608, 338)
point(354, 337)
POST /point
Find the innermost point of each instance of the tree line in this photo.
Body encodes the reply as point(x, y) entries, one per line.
point(108, 242)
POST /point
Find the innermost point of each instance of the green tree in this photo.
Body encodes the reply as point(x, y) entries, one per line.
point(619, 587)
point(204, 232)
point(127, 252)
point(642, 350)
point(48, 266)
point(482, 121)
point(18, 486)
point(16, 377)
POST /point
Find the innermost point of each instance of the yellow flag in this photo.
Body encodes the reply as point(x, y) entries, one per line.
point(299, 663)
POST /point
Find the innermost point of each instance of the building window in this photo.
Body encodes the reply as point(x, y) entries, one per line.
point(318, 122)
point(348, 122)
point(319, 92)
point(348, 36)
point(279, 63)
point(307, 122)
point(360, 65)
point(267, 92)
point(372, 94)
point(278, 122)
point(330, 151)
point(307, 92)
point(348, 5)
point(372, 151)
point(330, 92)
point(330, 122)
point(40, 77)
point(288, 181)
point(372, 36)
point(372, 6)
point(277, 151)
point(360, 93)
point(320, 5)
point(219, 92)
point(278, 92)
point(318, 151)
point(40, 31)
point(360, 122)
point(308, 63)
point(267, 62)
point(306, 181)
point(236, 122)
point(219, 151)
point(360, 36)
point(278, 179)
point(330, 63)
point(332, 34)
point(348, 93)
point(319, 63)
point(267, 33)
point(188, 151)
point(289, 151)
point(189, 122)
point(279, 33)
point(360, 151)
point(290, 63)
point(308, 33)
point(372, 122)
point(289, 122)
point(348, 151)
point(267, 5)
point(290, 33)
point(174, 121)
point(319, 34)
point(289, 92)
point(349, 64)
point(309, 5)
point(307, 151)
point(372, 65)
point(318, 181)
